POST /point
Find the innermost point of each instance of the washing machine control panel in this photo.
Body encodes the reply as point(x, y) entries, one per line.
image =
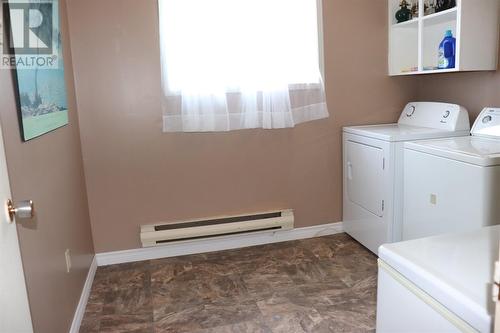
point(443, 116)
point(487, 123)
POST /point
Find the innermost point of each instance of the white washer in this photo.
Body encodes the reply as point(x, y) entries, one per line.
point(453, 184)
point(373, 167)
point(438, 284)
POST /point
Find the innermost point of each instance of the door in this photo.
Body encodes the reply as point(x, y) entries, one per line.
point(15, 314)
point(365, 176)
point(496, 295)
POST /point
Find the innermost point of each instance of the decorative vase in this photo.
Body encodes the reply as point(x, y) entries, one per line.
point(404, 14)
point(444, 5)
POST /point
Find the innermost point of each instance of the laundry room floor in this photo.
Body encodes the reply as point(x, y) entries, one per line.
point(324, 284)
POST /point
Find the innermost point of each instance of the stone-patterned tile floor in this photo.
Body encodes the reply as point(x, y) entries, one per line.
point(324, 284)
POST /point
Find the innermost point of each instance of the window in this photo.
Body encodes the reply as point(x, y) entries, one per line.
point(235, 64)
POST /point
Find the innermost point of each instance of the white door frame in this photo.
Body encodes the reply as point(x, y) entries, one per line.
point(15, 316)
point(496, 297)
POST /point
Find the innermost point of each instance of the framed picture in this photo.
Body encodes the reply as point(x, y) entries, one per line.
point(35, 49)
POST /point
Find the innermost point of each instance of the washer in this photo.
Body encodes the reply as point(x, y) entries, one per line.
point(373, 167)
point(438, 284)
point(453, 184)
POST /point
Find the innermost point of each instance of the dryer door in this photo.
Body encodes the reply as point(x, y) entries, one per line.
point(365, 176)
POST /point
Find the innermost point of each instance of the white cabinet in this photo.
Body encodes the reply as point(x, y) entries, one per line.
point(414, 44)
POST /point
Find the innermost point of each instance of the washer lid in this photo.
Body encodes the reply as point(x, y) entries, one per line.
point(470, 149)
point(399, 132)
point(487, 124)
point(454, 269)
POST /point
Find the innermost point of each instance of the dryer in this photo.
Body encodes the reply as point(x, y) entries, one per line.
point(453, 184)
point(373, 168)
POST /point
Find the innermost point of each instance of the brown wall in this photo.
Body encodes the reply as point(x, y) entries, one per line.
point(49, 170)
point(472, 90)
point(138, 175)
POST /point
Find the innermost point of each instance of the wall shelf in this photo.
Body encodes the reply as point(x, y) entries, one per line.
point(427, 71)
point(413, 45)
point(442, 14)
point(405, 24)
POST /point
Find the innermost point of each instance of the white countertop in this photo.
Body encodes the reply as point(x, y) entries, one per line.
point(455, 269)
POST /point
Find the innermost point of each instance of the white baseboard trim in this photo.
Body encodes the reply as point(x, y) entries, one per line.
point(84, 297)
point(216, 244)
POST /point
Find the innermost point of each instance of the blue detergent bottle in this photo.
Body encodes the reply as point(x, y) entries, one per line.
point(446, 54)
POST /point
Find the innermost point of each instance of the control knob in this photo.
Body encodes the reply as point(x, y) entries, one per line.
point(487, 119)
point(410, 111)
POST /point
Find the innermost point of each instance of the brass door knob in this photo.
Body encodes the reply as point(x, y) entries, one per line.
point(23, 210)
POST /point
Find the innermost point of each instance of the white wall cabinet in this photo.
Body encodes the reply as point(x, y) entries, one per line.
point(414, 44)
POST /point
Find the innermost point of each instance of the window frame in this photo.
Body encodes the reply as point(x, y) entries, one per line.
point(321, 41)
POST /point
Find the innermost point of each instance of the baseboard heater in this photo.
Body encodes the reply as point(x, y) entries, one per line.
point(157, 234)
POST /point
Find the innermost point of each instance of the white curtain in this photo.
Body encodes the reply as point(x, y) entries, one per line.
point(236, 64)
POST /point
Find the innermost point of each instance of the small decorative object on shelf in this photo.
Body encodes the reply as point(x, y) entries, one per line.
point(444, 5)
point(429, 7)
point(404, 14)
point(409, 70)
point(414, 9)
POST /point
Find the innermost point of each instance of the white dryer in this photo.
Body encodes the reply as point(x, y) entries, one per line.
point(453, 184)
point(373, 168)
